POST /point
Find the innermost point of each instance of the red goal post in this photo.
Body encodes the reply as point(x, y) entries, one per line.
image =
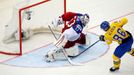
point(20, 24)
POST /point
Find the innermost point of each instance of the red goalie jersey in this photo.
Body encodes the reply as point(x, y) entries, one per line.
point(70, 18)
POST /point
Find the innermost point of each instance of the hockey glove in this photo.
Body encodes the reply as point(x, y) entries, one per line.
point(101, 38)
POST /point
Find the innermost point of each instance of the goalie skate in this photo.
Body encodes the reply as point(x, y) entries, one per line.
point(56, 54)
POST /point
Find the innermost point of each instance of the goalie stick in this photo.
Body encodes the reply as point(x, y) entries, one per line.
point(64, 52)
point(87, 48)
point(69, 60)
point(52, 32)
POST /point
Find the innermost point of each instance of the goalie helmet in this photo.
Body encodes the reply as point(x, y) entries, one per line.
point(84, 19)
point(105, 25)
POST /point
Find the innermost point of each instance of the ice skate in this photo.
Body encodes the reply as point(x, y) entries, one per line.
point(53, 55)
point(113, 69)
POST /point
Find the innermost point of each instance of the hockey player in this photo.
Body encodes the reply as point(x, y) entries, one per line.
point(115, 32)
point(72, 36)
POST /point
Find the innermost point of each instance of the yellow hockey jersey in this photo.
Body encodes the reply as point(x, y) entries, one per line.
point(115, 33)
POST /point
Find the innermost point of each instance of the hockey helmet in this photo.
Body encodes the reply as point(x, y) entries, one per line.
point(105, 25)
point(85, 19)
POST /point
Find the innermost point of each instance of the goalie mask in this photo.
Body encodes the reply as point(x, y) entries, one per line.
point(84, 19)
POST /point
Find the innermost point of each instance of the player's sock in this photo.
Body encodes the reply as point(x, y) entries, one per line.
point(116, 62)
point(132, 52)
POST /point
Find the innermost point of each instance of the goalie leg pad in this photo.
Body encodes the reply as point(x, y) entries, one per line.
point(57, 54)
point(53, 55)
point(87, 40)
point(83, 40)
point(72, 51)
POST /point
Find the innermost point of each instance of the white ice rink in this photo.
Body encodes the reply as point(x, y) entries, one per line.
point(99, 11)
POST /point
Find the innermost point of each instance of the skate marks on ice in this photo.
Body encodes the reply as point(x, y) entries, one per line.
point(36, 58)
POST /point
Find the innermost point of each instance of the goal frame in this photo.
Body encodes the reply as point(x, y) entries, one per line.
point(20, 25)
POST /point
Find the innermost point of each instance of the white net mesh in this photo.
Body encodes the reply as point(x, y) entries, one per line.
point(41, 13)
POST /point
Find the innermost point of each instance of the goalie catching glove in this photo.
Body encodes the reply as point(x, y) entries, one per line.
point(57, 21)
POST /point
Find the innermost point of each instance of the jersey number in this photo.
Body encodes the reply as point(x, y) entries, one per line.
point(117, 37)
point(77, 28)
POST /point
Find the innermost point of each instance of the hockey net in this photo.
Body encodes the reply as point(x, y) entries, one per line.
point(35, 15)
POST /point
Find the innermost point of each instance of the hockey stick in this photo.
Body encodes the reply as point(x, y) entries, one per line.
point(73, 63)
point(52, 32)
point(64, 52)
point(69, 60)
point(88, 48)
